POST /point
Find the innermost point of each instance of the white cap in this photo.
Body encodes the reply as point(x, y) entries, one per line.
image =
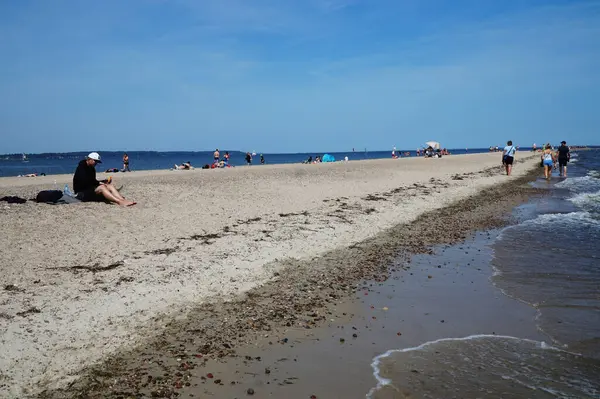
point(95, 156)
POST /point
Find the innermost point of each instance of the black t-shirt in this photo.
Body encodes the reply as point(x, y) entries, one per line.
point(85, 177)
point(563, 152)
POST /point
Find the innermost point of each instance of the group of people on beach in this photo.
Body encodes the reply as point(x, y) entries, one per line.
point(548, 158)
point(88, 189)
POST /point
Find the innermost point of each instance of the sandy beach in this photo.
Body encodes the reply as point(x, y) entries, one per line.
point(82, 282)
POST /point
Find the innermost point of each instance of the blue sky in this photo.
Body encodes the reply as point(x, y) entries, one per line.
point(296, 75)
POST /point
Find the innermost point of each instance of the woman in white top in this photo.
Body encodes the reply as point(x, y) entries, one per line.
point(508, 156)
point(548, 160)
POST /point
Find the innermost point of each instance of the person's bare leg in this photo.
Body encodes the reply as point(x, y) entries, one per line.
point(508, 169)
point(564, 171)
point(113, 190)
point(105, 192)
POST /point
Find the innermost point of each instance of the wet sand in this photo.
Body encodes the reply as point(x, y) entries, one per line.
point(446, 294)
point(304, 294)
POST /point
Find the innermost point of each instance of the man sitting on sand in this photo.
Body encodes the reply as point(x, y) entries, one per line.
point(88, 189)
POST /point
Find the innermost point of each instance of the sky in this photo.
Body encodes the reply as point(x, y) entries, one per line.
point(296, 75)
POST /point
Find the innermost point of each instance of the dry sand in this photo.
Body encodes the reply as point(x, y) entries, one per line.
point(82, 281)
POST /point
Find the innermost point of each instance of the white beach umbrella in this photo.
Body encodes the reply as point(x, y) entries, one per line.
point(433, 144)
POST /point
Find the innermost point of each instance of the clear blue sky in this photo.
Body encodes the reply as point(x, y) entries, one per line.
point(296, 75)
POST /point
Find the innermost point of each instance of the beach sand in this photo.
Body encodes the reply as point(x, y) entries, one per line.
point(81, 282)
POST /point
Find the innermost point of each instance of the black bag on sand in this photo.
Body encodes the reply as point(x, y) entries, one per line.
point(13, 200)
point(49, 196)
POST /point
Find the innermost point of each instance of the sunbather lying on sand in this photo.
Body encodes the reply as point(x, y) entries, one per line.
point(88, 189)
point(184, 166)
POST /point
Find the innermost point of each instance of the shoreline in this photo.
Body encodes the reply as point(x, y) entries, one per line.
point(212, 334)
point(156, 278)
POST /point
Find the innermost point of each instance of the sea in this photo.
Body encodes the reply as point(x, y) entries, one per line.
point(550, 261)
point(65, 163)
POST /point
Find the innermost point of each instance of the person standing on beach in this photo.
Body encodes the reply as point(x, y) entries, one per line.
point(248, 159)
point(548, 160)
point(126, 163)
point(88, 189)
point(564, 156)
point(262, 159)
point(508, 157)
point(216, 156)
point(226, 157)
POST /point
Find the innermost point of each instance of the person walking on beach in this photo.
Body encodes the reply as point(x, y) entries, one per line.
point(126, 163)
point(508, 157)
point(248, 159)
point(548, 160)
point(262, 159)
point(564, 156)
point(88, 189)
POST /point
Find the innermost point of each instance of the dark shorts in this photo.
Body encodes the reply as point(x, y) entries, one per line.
point(508, 160)
point(90, 195)
point(562, 162)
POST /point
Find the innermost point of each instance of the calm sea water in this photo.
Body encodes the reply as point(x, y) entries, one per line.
point(549, 260)
point(65, 163)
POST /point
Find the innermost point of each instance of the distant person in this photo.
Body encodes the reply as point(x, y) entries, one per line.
point(88, 189)
point(564, 156)
point(184, 166)
point(126, 163)
point(262, 159)
point(248, 159)
point(418, 151)
point(534, 147)
point(508, 156)
point(227, 157)
point(548, 160)
point(216, 156)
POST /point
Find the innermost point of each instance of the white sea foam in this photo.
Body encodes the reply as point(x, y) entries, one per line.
point(580, 184)
point(562, 218)
point(381, 381)
point(587, 201)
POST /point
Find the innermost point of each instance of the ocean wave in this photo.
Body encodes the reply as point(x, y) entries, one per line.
point(587, 201)
point(580, 184)
point(382, 381)
point(565, 219)
point(594, 174)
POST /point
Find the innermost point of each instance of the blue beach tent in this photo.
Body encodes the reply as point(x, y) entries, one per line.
point(328, 158)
